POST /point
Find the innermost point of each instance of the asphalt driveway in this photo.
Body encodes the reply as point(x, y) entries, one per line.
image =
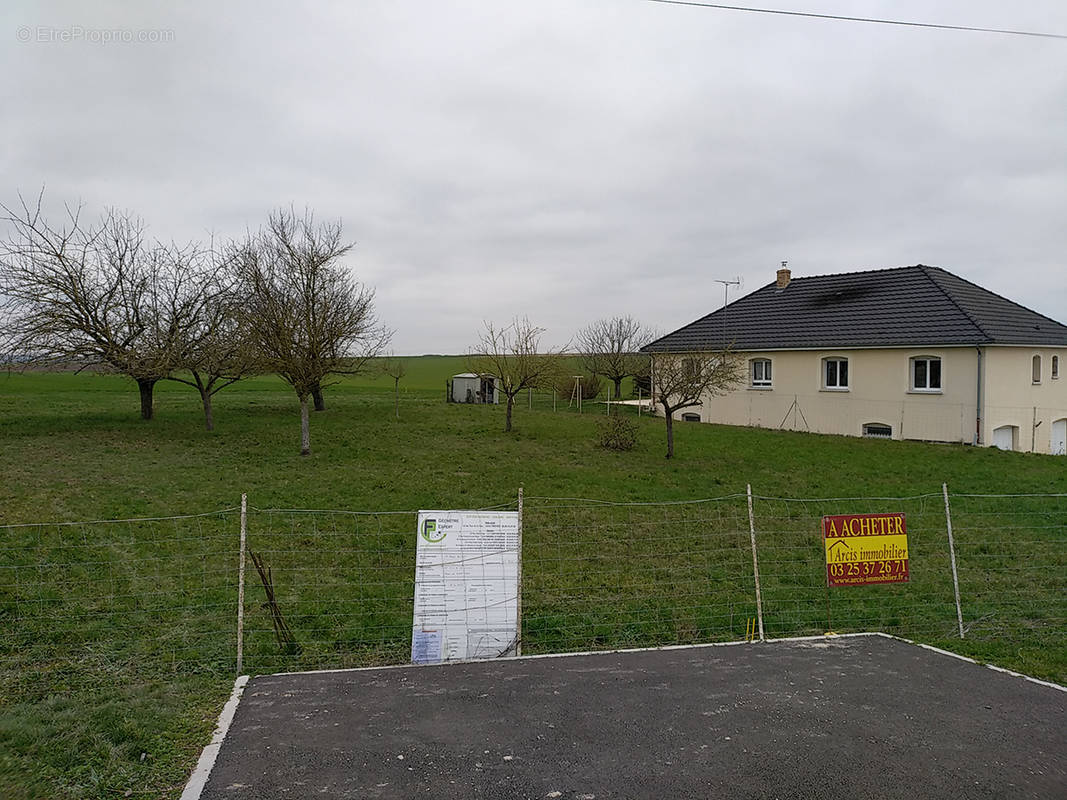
point(846, 717)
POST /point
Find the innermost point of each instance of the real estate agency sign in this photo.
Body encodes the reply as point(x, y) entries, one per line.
point(865, 548)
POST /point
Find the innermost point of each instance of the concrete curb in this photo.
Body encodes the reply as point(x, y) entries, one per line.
point(198, 780)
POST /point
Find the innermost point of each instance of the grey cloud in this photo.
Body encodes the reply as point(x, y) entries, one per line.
point(560, 160)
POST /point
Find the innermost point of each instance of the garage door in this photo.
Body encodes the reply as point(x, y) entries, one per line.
point(1059, 438)
point(1004, 437)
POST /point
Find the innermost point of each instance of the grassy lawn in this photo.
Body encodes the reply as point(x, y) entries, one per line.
point(118, 640)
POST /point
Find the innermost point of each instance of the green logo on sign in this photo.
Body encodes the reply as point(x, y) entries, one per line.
point(430, 532)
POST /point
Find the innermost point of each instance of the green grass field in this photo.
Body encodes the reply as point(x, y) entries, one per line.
point(118, 639)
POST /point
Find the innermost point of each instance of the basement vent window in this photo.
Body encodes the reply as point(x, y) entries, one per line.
point(878, 430)
point(690, 418)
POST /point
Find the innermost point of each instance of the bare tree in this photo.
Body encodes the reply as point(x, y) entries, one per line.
point(395, 369)
point(609, 347)
point(93, 295)
point(309, 318)
point(686, 380)
point(510, 354)
point(215, 350)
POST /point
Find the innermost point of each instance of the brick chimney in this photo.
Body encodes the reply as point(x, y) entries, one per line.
point(783, 276)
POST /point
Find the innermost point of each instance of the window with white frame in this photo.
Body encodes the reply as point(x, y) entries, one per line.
point(926, 374)
point(1055, 368)
point(760, 373)
point(835, 373)
point(1036, 365)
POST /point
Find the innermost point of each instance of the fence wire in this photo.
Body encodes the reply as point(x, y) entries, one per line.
point(161, 595)
point(1012, 557)
point(797, 599)
point(146, 596)
point(605, 575)
point(344, 584)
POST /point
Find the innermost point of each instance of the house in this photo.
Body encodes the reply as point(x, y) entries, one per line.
point(905, 353)
point(469, 387)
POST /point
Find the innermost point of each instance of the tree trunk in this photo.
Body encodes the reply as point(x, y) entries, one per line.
point(146, 385)
point(209, 418)
point(316, 395)
point(305, 428)
point(396, 397)
point(618, 388)
point(507, 424)
point(669, 416)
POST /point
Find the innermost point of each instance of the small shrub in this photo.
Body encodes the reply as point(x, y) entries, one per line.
point(616, 432)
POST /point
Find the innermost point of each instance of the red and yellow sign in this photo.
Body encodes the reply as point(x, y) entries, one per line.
point(865, 548)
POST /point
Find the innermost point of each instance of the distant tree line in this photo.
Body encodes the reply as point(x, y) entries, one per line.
point(100, 294)
point(281, 300)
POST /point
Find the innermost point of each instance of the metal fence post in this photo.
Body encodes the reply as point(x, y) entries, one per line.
point(755, 562)
point(518, 586)
point(241, 586)
point(952, 556)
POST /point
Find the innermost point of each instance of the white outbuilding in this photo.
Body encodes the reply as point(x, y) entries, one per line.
point(470, 387)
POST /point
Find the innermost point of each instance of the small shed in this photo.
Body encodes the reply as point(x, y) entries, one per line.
point(470, 387)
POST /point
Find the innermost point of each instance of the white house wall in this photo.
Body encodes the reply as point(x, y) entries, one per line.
point(1012, 398)
point(880, 392)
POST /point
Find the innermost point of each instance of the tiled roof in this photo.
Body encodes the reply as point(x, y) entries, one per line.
point(904, 306)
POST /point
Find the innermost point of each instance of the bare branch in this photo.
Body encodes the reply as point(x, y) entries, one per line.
point(510, 354)
point(89, 294)
point(308, 317)
point(610, 347)
point(685, 380)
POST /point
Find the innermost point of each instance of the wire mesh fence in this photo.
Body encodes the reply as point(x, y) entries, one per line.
point(1011, 553)
point(636, 402)
point(343, 583)
point(605, 575)
point(336, 588)
point(147, 596)
point(797, 599)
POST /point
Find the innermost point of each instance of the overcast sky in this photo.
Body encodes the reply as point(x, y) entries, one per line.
point(563, 160)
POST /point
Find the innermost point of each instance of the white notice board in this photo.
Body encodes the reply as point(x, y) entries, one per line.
point(466, 586)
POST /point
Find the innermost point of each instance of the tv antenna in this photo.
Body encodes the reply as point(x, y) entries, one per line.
point(726, 284)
